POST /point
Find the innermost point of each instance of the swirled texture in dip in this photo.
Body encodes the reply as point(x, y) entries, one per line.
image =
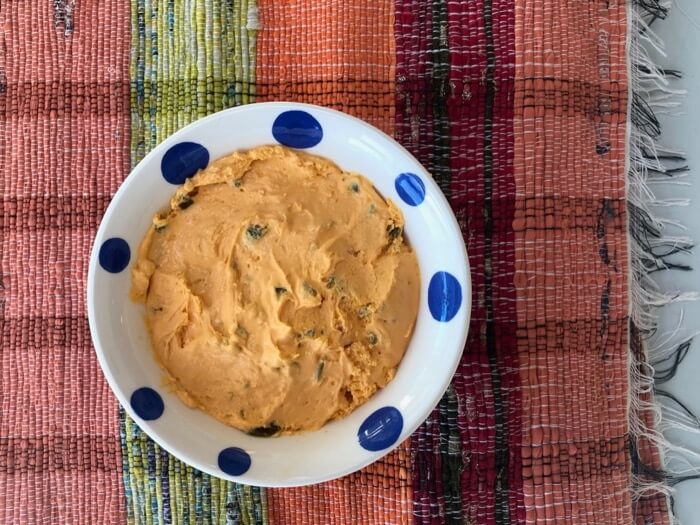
point(279, 290)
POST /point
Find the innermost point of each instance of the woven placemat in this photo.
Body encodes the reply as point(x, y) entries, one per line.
point(519, 109)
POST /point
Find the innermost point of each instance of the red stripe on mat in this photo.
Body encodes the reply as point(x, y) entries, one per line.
point(60, 460)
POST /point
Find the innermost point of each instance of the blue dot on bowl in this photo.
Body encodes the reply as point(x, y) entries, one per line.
point(410, 188)
point(381, 429)
point(297, 129)
point(114, 255)
point(147, 403)
point(234, 461)
point(444, 296)
point(182, 161)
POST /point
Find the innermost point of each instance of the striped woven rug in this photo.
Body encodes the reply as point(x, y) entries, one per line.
point(519, 108)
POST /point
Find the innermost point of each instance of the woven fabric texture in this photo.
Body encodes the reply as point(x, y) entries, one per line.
point(518, 108)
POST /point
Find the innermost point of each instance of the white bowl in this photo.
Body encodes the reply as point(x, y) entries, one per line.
point(340, 447)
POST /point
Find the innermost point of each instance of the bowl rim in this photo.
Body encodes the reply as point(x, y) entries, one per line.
point(132, 178)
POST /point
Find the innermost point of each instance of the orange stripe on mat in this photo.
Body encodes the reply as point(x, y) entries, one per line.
point(336, 54)
point(377, 495)
point(340, 55)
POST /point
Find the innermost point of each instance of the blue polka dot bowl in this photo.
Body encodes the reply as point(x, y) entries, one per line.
point(340, 447)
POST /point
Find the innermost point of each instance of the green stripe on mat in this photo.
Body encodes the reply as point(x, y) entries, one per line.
point(161, 489)
point(189, 58)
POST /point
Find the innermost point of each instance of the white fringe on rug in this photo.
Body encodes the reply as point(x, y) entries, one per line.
point(655, 245)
